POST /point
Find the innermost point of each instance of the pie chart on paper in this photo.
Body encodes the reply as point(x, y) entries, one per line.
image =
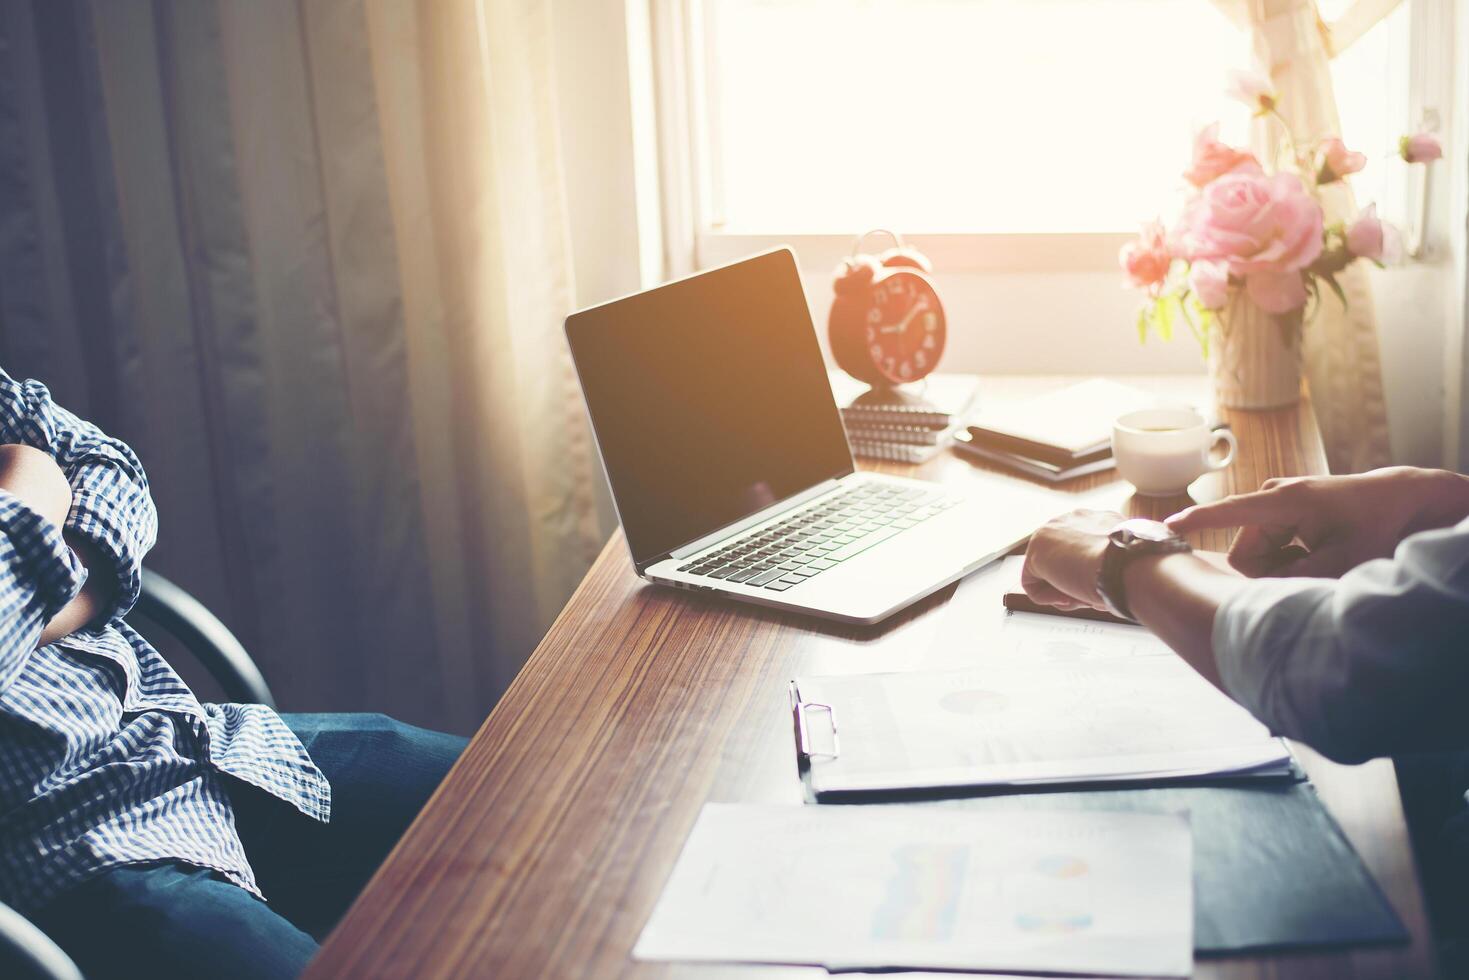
point(974, 701)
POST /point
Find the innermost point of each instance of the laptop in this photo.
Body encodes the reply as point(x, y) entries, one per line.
point(730, 469)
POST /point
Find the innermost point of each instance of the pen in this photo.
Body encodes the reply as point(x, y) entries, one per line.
point(1020, 602)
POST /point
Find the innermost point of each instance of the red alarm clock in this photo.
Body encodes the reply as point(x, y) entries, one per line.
point(886, 325)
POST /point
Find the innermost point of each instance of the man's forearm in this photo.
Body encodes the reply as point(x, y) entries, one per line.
point(95, 596)
point(1177, 597)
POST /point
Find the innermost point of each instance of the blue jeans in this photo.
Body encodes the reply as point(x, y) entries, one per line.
point(176, 920)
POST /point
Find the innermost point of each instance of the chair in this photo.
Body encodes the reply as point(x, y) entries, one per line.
point(183, 617)
point(26, 953)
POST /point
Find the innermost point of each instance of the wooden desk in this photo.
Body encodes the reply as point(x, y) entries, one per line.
point(548, 844)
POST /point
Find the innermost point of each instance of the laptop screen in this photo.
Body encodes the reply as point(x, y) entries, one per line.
point(709, 399)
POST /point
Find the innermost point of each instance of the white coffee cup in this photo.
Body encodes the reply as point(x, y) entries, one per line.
point(1162, 450)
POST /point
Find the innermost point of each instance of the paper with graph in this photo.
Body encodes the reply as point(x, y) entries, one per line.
point(930, 887)
point(1012, 723)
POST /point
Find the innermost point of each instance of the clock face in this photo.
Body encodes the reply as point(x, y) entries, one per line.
point(905, 327)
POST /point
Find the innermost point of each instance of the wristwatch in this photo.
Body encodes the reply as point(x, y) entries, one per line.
point(1130, 540)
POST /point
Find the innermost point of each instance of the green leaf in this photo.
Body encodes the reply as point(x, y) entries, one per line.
point(1336, 288)
point(1206, 326)
point(1189, 306)
point(1164, 311)
point(1142, 325)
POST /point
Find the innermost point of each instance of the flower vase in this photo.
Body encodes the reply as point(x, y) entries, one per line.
point(1255, 356)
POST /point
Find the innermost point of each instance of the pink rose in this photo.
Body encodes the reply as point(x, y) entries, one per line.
point(1253, 89)
point(1365, 237)
point(1337, 161)
point(1210, 283)
point(1213, 159)
point(1420, 148)
point(1146, 260)
point(1265, 229)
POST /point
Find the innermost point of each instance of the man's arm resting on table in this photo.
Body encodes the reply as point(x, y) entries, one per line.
point(1177, 596)
point(34, 478)
point(1367, 666)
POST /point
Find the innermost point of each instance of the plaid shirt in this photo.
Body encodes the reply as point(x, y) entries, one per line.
point(106, 757)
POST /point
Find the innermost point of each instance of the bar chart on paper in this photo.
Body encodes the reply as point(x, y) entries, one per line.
point(922, 887)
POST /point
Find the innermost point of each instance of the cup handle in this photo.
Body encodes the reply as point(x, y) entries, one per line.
point(1227, 437)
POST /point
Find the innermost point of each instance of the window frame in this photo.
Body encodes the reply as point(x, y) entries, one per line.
point(684, 106)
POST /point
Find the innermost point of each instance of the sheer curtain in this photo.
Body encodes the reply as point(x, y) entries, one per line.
point(1343, 364)
point(311, 260)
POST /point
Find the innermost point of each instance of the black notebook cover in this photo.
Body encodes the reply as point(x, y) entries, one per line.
point(1272, 870)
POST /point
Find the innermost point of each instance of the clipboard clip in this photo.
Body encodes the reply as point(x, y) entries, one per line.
point(800, 711)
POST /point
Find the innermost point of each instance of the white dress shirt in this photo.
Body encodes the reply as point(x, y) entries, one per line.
point(1375, 663)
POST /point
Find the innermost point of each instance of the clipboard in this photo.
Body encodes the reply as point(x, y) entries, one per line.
point(933, 716)
point(800, 715)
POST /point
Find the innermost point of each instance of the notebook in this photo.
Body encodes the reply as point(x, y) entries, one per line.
point(1060, 427)
point(1050, 472)
point(897, 452)
point(936, 402)
point(911, 435)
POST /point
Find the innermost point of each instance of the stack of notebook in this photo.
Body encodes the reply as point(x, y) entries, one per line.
point(909, 423)
point(1056, 436)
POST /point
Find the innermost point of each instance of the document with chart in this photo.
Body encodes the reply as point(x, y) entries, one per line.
point(924, 887)
point(1008, 722)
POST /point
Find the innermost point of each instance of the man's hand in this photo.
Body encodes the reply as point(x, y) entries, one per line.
point(1325, 526)
point(1064, 558)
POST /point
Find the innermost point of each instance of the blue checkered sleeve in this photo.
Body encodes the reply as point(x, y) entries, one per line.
point(111, 507)
point(39, 575)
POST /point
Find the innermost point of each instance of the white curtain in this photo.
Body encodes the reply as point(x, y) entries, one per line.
point(465, 93)
point(310, 257)
point(1343, 363)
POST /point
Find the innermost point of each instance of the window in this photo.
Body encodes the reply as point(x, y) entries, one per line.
point(982, 122)
point(1372, 80)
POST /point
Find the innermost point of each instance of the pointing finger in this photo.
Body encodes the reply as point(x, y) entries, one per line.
point(1275, 507)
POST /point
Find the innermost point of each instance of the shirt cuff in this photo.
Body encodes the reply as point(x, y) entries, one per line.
point(104, 523)
point(37, 558)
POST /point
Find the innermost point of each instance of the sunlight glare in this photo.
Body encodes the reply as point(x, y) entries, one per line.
point(963, 115)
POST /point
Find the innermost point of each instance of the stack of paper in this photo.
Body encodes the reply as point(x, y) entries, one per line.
point(931, 888)
point(1008, 724)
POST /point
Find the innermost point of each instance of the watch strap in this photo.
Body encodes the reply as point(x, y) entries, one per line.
point(1122, 550)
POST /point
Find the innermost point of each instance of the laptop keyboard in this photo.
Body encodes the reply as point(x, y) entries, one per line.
point(819, 537)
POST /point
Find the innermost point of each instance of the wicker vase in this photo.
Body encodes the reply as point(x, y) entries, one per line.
point(1254, 356)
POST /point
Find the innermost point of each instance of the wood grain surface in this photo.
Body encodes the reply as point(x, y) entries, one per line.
point(545, 849)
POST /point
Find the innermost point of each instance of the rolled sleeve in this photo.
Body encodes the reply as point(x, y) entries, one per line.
point(112, 509)
point(39, 575)
point(1371, 664)
point(1257, 633)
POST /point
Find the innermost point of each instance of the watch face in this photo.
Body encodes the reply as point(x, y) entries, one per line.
point(1139, 528)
